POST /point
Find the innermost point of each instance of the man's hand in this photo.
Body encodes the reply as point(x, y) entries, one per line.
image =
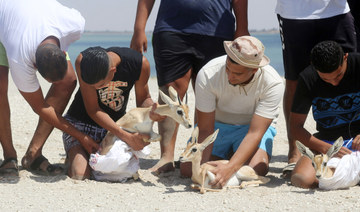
point(139, 41)
point(154, 116)
point(222, 173)
point(136, 141)
point(90, 145)
point(356, 143)
point(343, 151)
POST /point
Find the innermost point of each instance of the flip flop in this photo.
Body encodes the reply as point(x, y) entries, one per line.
point(51, 170)
point(10, 171)
point(286, 172)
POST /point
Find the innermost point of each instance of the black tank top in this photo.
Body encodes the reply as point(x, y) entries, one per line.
point(112, 99)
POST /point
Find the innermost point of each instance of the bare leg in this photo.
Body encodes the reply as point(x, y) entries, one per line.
point(303, 175)
point(260, 162)
point(168, 128)
point(79, 168)
point(58, 96)
point(5, 127)
point(293, 154)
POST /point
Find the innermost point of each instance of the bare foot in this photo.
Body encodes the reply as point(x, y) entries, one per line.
point(27, 160)
point(163, 166)
point(293, 156)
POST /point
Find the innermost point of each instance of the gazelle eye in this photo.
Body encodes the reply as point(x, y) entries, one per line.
point(325, 163)
point(194, 150)
point(180, 112)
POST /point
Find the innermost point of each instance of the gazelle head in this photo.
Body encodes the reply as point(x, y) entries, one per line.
point(178, 110)
point(319, 161)
point(193, 150)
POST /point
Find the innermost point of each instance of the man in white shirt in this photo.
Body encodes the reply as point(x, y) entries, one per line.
point(36, 35)
point(240, 94)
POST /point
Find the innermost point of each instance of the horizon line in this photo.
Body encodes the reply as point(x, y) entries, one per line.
point(273, 30)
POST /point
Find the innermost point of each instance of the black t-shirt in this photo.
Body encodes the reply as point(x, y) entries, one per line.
point(112, 99)
point(336, 109)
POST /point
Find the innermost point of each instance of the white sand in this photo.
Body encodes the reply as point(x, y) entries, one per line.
point(168, 192)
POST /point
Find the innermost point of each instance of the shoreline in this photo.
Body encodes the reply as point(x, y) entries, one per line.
point(126, 32)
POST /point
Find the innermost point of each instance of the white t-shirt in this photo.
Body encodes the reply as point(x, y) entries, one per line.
point(25, 24)
point(311, 9)
point(237, 104)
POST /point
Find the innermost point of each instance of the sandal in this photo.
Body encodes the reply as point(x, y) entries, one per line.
point(286, 172)
point(51, 170)
point(13, 170)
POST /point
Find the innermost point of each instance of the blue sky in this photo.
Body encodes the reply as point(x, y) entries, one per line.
point(119, 15)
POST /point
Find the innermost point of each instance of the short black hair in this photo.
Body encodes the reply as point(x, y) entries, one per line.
point(327, 56)
point(94, 65)
point(51, 62)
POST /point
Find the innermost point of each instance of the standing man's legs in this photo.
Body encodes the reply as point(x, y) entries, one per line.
point(168, 128)
point(297, 37)
point(290, 88)
point(58, 96)
point(5, 126)
point(178, 58)
point(9, 152)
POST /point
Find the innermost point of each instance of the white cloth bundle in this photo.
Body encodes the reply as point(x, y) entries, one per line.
point(119, 164)
point(347, 172)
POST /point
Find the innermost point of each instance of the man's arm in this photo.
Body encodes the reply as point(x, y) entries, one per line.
point(206, 122)
point(143, 98)
point(139, 41)
point(297, 130)
point(240, 8)
point(47, 113)
point(246, 150)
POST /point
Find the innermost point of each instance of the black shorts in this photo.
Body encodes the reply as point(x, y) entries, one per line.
point(175, 53)
point(298, 37)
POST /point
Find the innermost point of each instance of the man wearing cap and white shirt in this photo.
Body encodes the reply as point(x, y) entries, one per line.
point(239, 94)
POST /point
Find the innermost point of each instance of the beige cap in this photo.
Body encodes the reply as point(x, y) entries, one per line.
point(247, 51)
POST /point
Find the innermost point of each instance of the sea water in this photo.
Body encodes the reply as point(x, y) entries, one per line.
point(271, 42)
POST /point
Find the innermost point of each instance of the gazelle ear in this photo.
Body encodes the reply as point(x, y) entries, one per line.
point(166, 99)
point(194, 135)
point(173, 94)
point(209, 140)
point(304, 150)
point(335, 148)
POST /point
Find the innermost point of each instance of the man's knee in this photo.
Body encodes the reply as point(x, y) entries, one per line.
point(78, 175)
point(303, 181)
point(79, 172)
point(78, 163)
point(261, 168)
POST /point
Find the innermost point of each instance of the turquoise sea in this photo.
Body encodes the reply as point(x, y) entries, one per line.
point(271, 42)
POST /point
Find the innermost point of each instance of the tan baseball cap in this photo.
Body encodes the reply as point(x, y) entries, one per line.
point(247, 51)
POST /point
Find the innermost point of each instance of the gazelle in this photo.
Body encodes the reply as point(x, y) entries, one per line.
point(319, 161)
point(202, 175)
point(138, 119)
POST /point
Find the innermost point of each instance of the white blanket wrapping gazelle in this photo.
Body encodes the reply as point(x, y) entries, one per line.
point(347, 172)
point(332, 172)
point(118, 164)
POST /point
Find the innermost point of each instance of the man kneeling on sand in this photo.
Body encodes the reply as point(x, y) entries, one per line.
point(330, 85)
point(240, 94)
point(106, 77)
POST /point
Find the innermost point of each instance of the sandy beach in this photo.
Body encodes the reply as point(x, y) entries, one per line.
point(167, 192)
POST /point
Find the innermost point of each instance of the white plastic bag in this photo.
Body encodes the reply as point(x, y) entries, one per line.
point(119, 164)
